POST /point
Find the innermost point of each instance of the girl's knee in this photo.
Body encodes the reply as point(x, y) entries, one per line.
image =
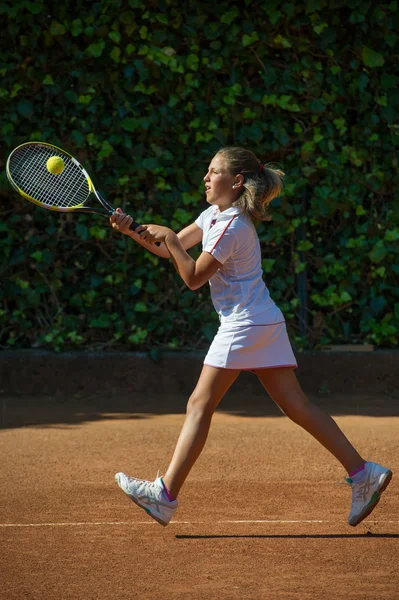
point(199, 404)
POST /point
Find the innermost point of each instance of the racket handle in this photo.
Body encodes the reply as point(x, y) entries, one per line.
point(133, 226)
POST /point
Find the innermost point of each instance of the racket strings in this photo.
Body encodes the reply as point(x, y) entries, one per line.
point(50, 189)
point(46, 187)
point(28, 169)
point(30, 182)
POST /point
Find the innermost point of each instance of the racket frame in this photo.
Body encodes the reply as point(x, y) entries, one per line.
point(107, 209)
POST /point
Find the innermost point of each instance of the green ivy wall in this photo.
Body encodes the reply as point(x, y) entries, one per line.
point(144, 93)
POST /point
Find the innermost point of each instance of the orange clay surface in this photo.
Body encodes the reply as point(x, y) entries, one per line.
point(261, 514)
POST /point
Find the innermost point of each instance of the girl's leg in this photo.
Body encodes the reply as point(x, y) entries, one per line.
point(211, 387)
point(283, 386)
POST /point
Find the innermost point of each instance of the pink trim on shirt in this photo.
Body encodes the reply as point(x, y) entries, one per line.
point(222, 234)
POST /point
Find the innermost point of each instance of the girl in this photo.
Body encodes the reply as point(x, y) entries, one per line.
point(252, 333)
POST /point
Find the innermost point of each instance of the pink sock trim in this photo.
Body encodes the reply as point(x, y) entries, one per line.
point(167, 492)
point(356, 471)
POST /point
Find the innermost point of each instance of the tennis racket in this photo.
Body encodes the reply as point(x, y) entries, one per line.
point(55, 180)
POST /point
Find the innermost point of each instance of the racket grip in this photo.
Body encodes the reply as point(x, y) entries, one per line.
point(133, 226)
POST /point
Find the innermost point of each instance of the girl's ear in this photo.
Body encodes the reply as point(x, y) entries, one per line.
point(238, 180)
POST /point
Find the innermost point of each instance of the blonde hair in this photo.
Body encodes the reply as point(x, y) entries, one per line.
point(262, 183)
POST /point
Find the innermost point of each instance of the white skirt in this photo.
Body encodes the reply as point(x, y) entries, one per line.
point(251, 347)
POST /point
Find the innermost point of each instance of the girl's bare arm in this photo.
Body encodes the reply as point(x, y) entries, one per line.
point(189, 236)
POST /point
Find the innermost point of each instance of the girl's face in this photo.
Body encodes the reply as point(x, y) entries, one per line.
point(219, 184)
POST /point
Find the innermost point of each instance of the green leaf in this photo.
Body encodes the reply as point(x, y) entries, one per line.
point(48, 80)
point(96, 49)
point(57, 28)
point(381, 271)
point(192, 62)
point(115, 36)
point(378, 253)
point(106, 150)
point(168, 51)
point(76, 27)
point(71, 96)
point(77, 137)
point(392, 235)
point(82, 231)
point(268, 264)
point(129, 124)
point(389, 81)
point(274, 15)
point(304, 245)
point(371, 58)
point(319, 28)
point(34, 7)
point(140, 307)
point(182, 215)
point(345, 297)
point(98, 232)
point(115, 54)
point(85, 99)
point(128, 17)
point(377, 304)
point(279, 40)
point(149, 163)
point(25, 108)
point(38, 255)
point(162, 18)
point(230, 16)
point(102, 321)
point(300, 267)
point(247, 40)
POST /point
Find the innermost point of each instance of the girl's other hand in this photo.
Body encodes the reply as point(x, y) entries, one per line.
point(153, 233)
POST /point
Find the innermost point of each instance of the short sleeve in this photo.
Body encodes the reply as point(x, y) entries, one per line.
point(221, 241)
point(204, 218)
point(199, 221)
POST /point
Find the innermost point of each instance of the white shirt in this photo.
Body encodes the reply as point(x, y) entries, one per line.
point(238, 291)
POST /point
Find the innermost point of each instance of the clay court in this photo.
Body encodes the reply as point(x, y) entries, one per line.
point(262, 515)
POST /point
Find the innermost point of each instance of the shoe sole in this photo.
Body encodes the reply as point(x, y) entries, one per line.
point(374, 500)
point(147, 510)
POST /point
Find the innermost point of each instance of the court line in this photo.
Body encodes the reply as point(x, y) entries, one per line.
point(109, 523)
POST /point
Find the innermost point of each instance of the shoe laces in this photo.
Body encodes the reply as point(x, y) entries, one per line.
point(359, 489)
point(149, 486)
point(146, 480)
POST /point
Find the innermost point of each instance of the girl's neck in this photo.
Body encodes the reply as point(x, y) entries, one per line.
point(222, 208)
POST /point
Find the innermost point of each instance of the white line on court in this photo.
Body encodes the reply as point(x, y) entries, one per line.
point(110, 523)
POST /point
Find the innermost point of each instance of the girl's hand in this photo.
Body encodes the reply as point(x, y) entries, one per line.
point(153, 233)
point(121, 222)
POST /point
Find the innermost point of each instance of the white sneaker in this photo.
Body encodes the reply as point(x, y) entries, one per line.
point(367, 490)
point(148, 495)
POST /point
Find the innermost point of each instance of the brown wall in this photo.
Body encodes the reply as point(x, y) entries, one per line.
point(38, 372)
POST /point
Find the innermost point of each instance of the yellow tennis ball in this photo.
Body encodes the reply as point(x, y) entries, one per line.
point(55, 165)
